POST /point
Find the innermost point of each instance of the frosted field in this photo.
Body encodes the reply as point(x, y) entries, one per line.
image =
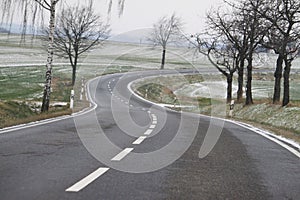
point(26, 64)
point(111, 53)
point(22, 68)
point(213, 89)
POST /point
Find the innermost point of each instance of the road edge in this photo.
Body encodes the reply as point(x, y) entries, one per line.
point(291, 145)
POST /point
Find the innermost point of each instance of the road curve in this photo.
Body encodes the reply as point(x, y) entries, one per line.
point(127, 148)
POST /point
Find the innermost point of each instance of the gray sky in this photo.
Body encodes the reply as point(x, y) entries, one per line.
point(143, 13)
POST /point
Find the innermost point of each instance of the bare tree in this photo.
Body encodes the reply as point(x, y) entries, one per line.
point(242, 29)
point(228, 25)
point(166, 31)
point(284, 38)
point(77, 33)
point(51, 7)
point(33, 11)
point(222, 55)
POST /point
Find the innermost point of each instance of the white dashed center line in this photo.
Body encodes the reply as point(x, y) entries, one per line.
point(100, 171)
point(148, 132)
point(154, 117)
point(152, 126)
point(87, 180)
point(140, 140)
point(122, 154)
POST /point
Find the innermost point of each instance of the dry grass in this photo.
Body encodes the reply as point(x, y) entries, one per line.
point(13, 113)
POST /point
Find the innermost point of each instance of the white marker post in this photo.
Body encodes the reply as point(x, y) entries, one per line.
point(72, 99)
point(175, 100)
point(146, 95)
point(231, 107)
point(82, 89)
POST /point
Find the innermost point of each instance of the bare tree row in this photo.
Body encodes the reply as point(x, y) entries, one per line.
point(235, 35)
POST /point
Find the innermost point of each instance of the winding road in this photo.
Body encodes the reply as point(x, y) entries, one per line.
point(127, 148)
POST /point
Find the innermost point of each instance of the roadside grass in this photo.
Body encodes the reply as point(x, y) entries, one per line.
point(26, 83)
point(286, 118)
point(284, 121)
point(15, 113)
point(21, 92)
point(157, 93)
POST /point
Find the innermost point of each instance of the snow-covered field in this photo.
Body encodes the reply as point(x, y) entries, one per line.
point(207, 89)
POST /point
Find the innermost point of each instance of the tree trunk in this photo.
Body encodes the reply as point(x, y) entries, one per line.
point(286, 89)
point(73, 75)
point(229, 87)
point(278, 76)
point(240, 80)
point(74, 69)
point(249, 99)
point(47, 87)
point(163, 59)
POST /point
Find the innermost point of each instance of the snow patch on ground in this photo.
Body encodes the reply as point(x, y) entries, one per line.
point(206, 89)
point(218, 89)
point(203, 89)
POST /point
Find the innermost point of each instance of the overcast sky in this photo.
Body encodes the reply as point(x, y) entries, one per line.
point(143, 13)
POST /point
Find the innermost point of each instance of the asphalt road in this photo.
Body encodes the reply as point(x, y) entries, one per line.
point(126, 148)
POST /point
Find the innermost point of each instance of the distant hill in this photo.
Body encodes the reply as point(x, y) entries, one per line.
point(140, 36)
point(137, 36)
point(3, 30)
point(14, 28)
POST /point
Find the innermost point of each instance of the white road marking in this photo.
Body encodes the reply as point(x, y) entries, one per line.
point(152, 126)
point(87, 180)
point(154, 122)
point(154, 117)
point(140, 140)
point(148, 132)
point(122, 154)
